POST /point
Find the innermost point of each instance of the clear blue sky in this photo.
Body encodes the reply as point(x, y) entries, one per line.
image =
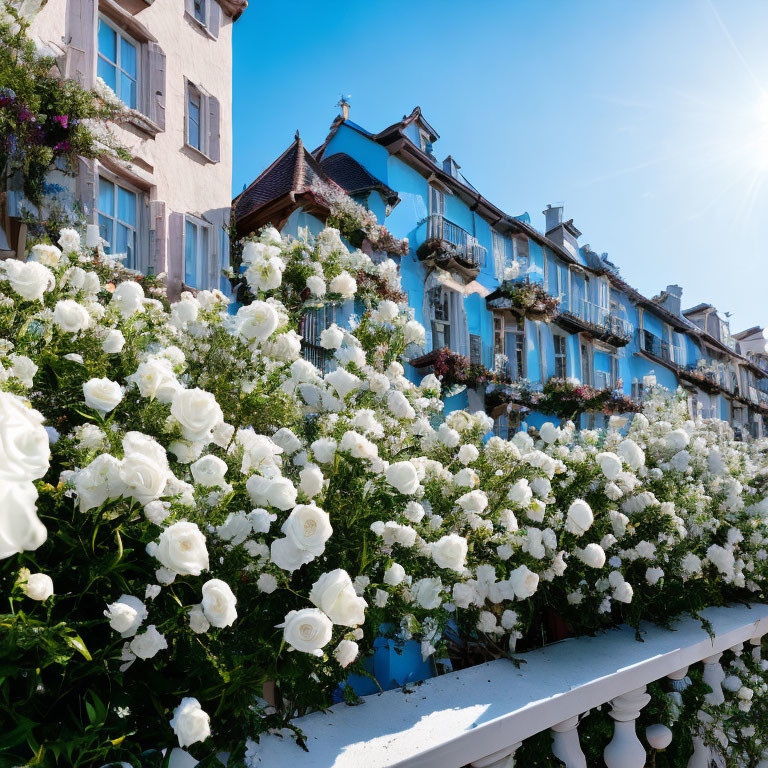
point(649, 120)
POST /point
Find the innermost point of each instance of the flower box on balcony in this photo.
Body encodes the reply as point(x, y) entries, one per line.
point(528, 299)
point(447, 256)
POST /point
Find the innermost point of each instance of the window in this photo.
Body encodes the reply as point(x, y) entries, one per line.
point(614, 383)
point(311, 325)
point(199, 11)
point(193, 118)
point(425, 142)
point(441, 324)
point(504, 253)
point(196, 253)
point(118, 63)
point(436, 202)
point(118, 220)
point(509, 341)
point(561, 358)
point(202, 122)
point(586, 365)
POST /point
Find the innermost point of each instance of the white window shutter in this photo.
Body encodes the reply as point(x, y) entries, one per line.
point(214, 140)
point(156, 85)
point(82, 47)
point(214, 18)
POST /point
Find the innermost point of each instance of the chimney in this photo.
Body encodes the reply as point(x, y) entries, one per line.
point(451, 167)
point(344, 103)
point(671, 299)
point(554, 217)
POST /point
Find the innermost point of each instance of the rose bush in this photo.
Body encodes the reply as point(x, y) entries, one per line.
point(203, 533)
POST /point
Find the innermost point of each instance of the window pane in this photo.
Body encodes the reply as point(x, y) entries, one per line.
point(200, 11)
point(125, 244)
point(128, 57)
point(126, 206)
point(106, 197)
point(105, 231)
point(108, 73)
point(194, 123)
point(107, 41)
point(128, 90)
point(190, 254)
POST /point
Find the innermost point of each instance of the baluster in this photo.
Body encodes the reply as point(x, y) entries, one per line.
point(625, 749)
point(565, 743)
point(756, 643)
point(504, 758)
point(713, 677)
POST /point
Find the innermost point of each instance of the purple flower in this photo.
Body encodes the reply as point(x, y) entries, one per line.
point(62, 120)
point(62, 146)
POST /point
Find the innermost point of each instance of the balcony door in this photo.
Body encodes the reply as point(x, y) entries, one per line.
point(509, 346)
point(444, 310)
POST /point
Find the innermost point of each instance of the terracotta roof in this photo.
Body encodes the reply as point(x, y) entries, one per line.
point(348, 173)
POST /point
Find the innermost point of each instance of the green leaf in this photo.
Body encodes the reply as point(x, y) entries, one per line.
point(77, 643)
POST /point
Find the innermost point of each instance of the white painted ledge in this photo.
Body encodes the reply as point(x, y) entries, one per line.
point(453, 720)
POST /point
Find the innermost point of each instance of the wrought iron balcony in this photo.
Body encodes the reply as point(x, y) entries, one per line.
point(660, 349)
point(600, 321)
point(448, 241)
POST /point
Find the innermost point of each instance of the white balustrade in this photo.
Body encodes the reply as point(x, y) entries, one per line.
point(625, 749)
point(479, 716)
point(565, 743)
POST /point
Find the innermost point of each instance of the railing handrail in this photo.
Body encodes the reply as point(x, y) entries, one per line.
point(471, 715)
point(439, 227)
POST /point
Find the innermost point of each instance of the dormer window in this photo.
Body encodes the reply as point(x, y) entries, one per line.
point(426, 142)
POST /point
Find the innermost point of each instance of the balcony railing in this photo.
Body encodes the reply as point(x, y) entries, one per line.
point(479, 716)
point(659, 348)
point(466, 246)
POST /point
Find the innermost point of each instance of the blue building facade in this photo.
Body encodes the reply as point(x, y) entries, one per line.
point(468, 259)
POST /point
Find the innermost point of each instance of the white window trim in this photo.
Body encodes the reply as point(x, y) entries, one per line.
point(201, 258)
point(564, 355)
point(203, 123)
point(118, 181)
point(136, 44)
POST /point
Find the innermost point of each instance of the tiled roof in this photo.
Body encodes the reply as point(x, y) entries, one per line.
point(294, 171)
point(348, 173)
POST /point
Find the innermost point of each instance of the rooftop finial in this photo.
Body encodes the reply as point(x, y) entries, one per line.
point(344, 103)
point(297, 137)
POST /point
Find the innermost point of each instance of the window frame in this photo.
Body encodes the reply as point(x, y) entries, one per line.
point(118, 183)
point(201, 264)
point(202, 119)
point(561, 357)
point(138, 47)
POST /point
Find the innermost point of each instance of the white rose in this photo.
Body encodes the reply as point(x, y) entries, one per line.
point(474, 501)
point(579, 517)
point(450, 552)
point(69, 240)
point(468, 453)
point(343, 381)
point(23, 369)
point(155, 378)
point(431, 382)
point(48, 255)
point(331, 337)
point(520, 493)
point(394, 575)
point(29, 279)
point(257, 321)
point(415, 333)
point(632, 453)
point(285, 439)
point(144, 470)
point(128, 298)
point(70, 316)
point(91, 284)
point(266, 583)
point(126, 615)
point(610, 464)
point(36, 586)
point(316, 286)
point(311, 480)
point(592, 555)
point(209, 471)
point(275, 491)
point(324, 449)
point(335, 595)
point(99, 481)
point(676, 440)
point(197, 621)
point(549, 433)
point(197, 412)
point(20, 527)
point(113, 342)
point(102, 395)
point(148, 643)
point(346, 652)
point(307, 630)
point(399, 406)
point(190, 723)
point(182, 549)
point(403, 476)
point(265, 274)
point(426, 593)
point(524, 582)
point(343, 284)
point(308, 527)
point(219, 603)
point(387, 310)
point(24, 447)
point(285, 347)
